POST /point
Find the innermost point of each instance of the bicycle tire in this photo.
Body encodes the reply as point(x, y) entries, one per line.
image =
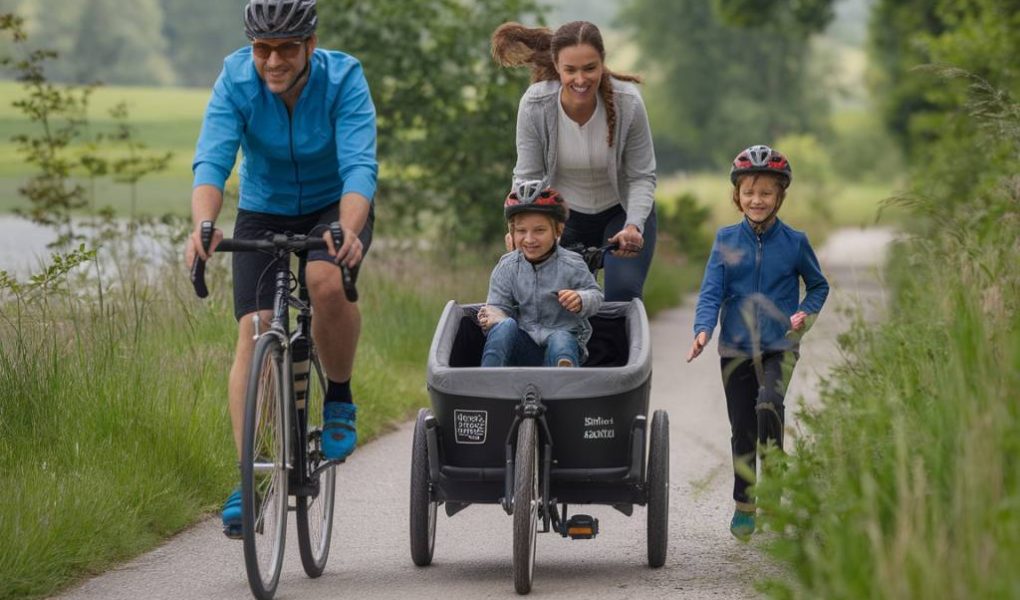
point(423, 509)
point(315, 513)
point(264, 469)
point(658, 490)
point(526, 500)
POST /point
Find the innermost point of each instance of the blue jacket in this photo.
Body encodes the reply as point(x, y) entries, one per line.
point(752, 286)
point(292, 165)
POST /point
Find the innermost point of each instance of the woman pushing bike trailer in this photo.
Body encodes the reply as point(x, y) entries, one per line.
point(535, 439)
point(752, 286)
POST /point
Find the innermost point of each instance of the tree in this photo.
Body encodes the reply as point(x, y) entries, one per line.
point(979, 36)
point(727, 74)
point(199, 33)
point(446, 111)
point(101, 40)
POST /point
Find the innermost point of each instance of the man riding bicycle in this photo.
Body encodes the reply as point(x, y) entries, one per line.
point(304, 120)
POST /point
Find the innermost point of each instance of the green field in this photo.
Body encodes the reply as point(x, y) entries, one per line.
point(167, 119)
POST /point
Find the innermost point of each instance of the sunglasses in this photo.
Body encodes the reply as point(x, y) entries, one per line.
point(286, 50)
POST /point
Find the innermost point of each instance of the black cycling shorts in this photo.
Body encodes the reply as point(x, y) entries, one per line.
point(254, 275)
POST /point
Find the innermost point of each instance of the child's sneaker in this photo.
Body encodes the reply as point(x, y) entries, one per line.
point(232, 515)
point(742, 525)
point(339, 434)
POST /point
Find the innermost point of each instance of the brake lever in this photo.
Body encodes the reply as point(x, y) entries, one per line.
point(350, 290)
point(198, 266)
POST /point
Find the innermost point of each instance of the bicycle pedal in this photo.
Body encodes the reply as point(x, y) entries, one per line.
point(582, 527)
point(233, 532)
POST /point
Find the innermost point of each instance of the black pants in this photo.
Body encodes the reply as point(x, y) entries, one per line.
point(744, 392)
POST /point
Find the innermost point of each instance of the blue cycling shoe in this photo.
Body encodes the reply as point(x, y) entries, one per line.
point(339, 434)
point(742, 525)
point(232, 515)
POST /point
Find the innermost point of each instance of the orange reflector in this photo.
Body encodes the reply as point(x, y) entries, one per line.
point(580, 531)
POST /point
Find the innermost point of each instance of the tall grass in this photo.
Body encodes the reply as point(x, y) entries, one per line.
point(909, 484)
point(113, 424)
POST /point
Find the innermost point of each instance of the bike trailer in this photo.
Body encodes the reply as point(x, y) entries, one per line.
point(596, 414)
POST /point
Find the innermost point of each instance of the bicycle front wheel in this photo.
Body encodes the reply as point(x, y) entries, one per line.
point(264, 469)
point(315, 511)
point(526, 501)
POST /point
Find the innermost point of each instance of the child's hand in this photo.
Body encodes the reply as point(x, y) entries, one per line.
point(489, 316)
point(698, 346)
point(797, 320)
point(570, 300)
point(483, 319)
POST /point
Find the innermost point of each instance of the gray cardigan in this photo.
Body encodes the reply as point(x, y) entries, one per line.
point(631, 166)
point(525, 291)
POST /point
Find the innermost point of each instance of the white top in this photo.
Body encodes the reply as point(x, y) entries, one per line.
point(582, 165)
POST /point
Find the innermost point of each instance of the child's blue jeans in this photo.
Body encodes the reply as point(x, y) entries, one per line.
point(507, 345)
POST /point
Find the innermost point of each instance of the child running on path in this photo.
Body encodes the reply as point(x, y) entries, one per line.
point(752, 287)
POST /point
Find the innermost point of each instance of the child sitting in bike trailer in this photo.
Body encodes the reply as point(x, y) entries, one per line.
point(540, 295)
point(752, 286)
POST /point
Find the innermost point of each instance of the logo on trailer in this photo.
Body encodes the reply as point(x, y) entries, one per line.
point(470, 426)
point(599, 428)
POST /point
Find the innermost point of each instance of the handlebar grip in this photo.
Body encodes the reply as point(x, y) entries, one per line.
point(350, 290)
point(198, 267)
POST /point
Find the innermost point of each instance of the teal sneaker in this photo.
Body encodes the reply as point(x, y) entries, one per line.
point(232, 515)
point(339, 434)
point(742, 525)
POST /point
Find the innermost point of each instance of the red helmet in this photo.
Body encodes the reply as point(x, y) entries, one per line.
point(534, 196)
point(761, 159)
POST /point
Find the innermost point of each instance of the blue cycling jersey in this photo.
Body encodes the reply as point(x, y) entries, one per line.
point(292, 164)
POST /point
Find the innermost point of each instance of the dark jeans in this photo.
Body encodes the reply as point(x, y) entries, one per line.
point(624, 277)
point(743, 394)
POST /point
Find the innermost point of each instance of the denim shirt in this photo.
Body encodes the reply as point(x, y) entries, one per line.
point(293, 164)
point(525, 291)
point(631, 159)
point(752, 287)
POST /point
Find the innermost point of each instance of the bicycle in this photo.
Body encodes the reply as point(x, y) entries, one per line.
point(281, 450)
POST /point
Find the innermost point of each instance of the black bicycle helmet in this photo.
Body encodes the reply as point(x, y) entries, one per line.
point(534, 196)
point(761, 159)
point(274, 19)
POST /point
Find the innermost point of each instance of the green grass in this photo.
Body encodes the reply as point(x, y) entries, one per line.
point(144, 103)
point(113, 425)
point(908, 485)
point(165, 119)
point(671, 277)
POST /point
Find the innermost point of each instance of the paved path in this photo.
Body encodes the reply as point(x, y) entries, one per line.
point(370, 557)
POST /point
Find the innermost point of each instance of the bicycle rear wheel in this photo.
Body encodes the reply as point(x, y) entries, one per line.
point(264, 469)
point(526, 501)
point(315, 512)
